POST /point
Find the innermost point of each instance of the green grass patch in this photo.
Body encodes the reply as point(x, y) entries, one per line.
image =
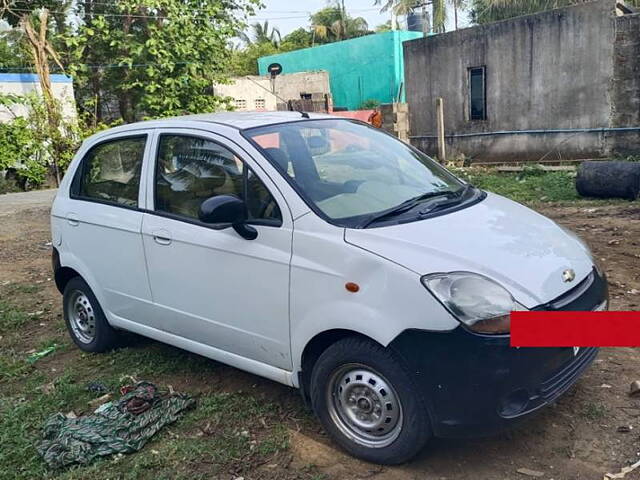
point(594, 411)
point(11, 318)
point(227, 432)
point(529, 186)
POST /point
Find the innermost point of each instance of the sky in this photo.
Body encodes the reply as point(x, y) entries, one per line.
point(288, 15)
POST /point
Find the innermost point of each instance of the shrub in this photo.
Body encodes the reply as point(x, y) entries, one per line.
point(29, 144)
point(370, 104)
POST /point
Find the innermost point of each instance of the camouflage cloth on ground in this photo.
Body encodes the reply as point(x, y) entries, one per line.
point(112, 428)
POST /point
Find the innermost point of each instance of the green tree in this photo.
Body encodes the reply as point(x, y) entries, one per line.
point(434, 21)
point(484, 11)
point(299, 38)
point(245, 61)
point(383, 27)
point(12, 11)
point(11, 55)
point(151, 58)
point(263, 34)
point(332, 24)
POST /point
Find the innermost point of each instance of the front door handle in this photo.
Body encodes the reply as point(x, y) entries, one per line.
point(161, 237)
point(73, 219)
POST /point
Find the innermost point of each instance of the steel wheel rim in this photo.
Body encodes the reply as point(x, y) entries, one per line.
point(81, 316)
point(364, 406)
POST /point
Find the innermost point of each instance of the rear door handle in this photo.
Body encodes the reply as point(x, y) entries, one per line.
point(161, 237)
point(73, 219)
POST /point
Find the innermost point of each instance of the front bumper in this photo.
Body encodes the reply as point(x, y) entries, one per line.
point(478, 384)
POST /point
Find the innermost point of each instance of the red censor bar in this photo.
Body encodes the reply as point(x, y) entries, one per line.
point(575, 329)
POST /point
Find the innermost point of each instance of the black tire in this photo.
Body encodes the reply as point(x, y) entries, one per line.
point(99, 339)
point(414, 426)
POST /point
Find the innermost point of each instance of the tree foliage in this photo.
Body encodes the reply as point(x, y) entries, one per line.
point(328, 25)
point(152, 58)
point(484, 11)
point(333, 23)
point(13, 57)
point(245, 61)
point(435, 18)
point(28, 143)
point(262, 33)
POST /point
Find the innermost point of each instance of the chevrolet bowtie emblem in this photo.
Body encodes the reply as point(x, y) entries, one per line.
point(568, 275)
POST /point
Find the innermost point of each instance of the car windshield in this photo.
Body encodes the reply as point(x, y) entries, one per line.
point(350, 171)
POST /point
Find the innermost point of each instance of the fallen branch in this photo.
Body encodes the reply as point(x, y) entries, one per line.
point(622, 473)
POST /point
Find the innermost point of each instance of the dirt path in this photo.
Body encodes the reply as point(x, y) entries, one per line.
point(576, 439)
point(12, 203)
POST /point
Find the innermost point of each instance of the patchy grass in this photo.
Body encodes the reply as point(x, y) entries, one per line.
point(594, 411)
point(11, 318)
point(229, 433)
point(531, 186)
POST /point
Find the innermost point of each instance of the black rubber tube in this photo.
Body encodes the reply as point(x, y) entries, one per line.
point(609, 179)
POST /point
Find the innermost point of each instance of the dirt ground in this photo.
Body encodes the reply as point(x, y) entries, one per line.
point(578, 438)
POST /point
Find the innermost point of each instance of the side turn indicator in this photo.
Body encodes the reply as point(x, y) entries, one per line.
point(352, 287)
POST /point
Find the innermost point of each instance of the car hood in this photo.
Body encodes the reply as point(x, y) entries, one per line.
point(522, 250)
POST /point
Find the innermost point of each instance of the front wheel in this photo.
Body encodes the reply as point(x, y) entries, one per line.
point(367, 402)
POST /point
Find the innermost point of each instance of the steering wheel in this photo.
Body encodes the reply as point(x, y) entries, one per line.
point(351, 186)
point(264, 205)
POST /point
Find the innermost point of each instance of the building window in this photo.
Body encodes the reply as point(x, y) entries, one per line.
point(240, 103)
point(477, 93)
point(260, 104)
point(305, 96)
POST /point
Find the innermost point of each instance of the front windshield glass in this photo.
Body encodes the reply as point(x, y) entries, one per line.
point(351, 171)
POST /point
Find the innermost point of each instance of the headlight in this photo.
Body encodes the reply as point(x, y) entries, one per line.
point(478, 302)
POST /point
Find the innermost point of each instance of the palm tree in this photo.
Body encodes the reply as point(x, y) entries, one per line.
point(262, 34)
point(438, 17)
point(339, 27)
point(483, 11)
point(333, 24)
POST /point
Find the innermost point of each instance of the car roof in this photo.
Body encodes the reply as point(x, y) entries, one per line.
point(239, 120)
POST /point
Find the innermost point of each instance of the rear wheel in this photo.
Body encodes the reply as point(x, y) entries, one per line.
point(85, 319)
point(368, 403)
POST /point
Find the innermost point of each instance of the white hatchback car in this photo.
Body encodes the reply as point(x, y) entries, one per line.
point(327, 255)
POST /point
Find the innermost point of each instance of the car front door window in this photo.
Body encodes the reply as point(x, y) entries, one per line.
point(190, 170)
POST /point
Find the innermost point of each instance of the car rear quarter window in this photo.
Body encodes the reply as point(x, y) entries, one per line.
point(110, 172)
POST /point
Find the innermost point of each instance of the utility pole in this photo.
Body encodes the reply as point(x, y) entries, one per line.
point(442, 154)
point(455, 14)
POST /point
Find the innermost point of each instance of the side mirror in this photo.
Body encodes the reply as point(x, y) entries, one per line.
point(228, 211)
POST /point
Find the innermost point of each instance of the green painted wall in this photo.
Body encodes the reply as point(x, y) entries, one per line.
point(359, 69)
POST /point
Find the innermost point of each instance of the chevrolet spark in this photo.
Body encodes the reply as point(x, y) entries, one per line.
point(326, 255)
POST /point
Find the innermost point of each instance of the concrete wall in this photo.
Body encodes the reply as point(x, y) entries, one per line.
point(26, 83)
point(369, 67)
point(254, 93)
point(551, 70)
point(625, 88)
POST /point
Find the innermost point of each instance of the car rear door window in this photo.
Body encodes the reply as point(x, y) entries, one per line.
point(110, 172)
point(189, 170)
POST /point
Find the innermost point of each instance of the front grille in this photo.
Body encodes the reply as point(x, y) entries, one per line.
point(561, 381)
point(587, 296)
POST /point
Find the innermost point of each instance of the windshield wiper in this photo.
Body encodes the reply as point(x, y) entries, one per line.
point(457, 197)
point(405, 206)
